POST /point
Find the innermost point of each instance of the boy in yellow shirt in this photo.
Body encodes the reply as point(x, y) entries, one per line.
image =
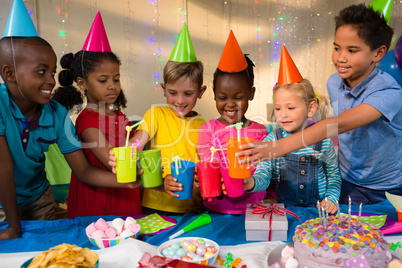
point(173, 128)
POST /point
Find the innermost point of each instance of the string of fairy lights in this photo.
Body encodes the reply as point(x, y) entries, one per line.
point(154, 41)
point(62, 11)
point(271, 21)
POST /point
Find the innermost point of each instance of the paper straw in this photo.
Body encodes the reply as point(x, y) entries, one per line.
point(129, 128)
point(218, 142)
point(132, 150)
point(177, 163)
point(213, 151)
point(238, 126)
point(137, 144)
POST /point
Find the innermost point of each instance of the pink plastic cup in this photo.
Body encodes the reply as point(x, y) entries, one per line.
point(209, 177)
point(234, 187)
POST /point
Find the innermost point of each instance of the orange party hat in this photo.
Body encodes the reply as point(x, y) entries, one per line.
point(288, 72)
point(97, 39)
point(232, 59)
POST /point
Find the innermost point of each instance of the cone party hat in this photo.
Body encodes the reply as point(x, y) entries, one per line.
point(19, 22)
point(183, 50)
point(384, 7)
point(288, 72)
point(97, 39)
point(232, 59)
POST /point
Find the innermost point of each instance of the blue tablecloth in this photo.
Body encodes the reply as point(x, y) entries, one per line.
point(226, 230)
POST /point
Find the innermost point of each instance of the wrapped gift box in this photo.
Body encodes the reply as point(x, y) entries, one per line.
point(257, 226)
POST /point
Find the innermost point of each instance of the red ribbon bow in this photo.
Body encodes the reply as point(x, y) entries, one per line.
point(272, 209)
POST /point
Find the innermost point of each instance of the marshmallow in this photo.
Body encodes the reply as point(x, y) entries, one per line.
point(99, 234)
point(288, 252)
point(101, 224)
point(90, 228)
point(133, 227)
point(126, 233)
point(292, 263)
point(111, 232)
point(118, 221)
point(128, 221)
point(119, 228)
point(118, 224)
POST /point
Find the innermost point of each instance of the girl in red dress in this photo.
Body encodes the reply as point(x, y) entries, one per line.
point(100, 126)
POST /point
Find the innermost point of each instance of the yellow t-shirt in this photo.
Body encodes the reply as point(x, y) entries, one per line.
point(174, 136)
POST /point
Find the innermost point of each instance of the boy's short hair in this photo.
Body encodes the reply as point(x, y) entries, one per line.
point(173, 71)
point(6, 44)
point(370, 25)
point(31, 40)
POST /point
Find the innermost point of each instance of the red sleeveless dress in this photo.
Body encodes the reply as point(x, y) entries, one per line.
point(87, 200)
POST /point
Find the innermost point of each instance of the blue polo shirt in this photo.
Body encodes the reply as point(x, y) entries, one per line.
point(28, 144)
point(370, 156)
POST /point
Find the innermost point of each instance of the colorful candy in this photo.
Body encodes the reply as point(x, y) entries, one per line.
point(190, 250)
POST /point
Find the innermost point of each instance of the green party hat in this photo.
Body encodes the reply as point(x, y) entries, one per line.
point(183, 51)
point(384, 7)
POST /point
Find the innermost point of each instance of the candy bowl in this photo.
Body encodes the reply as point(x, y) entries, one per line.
point(104, 234)
point(190, 249)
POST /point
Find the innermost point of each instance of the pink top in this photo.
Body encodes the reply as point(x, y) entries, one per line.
point(214, 129)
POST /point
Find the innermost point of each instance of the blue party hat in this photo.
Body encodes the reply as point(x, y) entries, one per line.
point(19, 22)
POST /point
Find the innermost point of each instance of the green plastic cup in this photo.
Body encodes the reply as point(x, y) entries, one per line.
point(151, 164)
point(126, 164)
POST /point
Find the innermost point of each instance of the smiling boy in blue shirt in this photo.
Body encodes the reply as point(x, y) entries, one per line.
point(29, 122)
point(367, 105)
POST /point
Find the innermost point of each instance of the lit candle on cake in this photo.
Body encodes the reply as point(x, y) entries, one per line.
point(326, 208)
point(319, 210)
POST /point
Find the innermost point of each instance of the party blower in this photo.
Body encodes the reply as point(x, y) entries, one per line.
point(202, 220)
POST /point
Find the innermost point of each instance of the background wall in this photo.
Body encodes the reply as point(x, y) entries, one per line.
point(143, 33)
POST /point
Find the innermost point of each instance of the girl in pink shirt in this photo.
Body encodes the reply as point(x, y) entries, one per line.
point(232, 93)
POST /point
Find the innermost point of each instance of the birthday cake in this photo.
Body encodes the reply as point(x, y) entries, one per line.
point(333, 246)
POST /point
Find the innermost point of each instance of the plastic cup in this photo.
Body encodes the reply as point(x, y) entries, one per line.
point(126, 167)
point(150, 163)
point(236, 170)
point(184, 175)
point(234, 187)
point(399, 215)
point(209, 177)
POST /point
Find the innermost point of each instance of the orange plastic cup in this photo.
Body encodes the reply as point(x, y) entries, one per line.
point(399, 215)
point(236, 170)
